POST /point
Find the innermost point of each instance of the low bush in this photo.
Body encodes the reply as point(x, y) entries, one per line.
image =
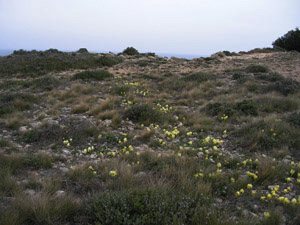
point(131, 51)
point(257, 69)
point(93, 75)
point(152, 207)
point(199, 77)
point(245, 107)
point(143, 113)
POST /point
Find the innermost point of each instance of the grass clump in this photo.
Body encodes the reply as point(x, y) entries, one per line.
point(97, 75)
point(40, 209)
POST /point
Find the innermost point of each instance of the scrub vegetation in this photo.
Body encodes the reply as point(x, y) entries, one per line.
point(137, 138)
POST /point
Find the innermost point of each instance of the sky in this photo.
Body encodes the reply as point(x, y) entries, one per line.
point(196, 27)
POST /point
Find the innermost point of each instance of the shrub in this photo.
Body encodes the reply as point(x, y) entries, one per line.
point(246, 107)
point(286, 86)
point(240, 77)
point(143, 113)
point(83, 50)
point(131, 51)
point(150, 207)
point(199, 77)
point(257, 69)
point(294, 119)
point(290, 41)
point(272, 77)
point(93, 75)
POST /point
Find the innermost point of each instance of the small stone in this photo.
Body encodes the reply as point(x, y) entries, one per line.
point(218, 200)
point(23, 129)
point(64, 169)
point(29, 192)
point(59, 194)
point(140, 175)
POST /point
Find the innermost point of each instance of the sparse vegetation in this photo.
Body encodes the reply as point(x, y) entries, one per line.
point(149, 140)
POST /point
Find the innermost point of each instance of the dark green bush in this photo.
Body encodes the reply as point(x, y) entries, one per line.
point(93, 75)
point(272, 77)
point(257, 69)
point(294, 119)
point(290, 41)
point(240, 77)
point(34, 63)
point(246, 107)
point(143, 113)
point(215, 109)
point(131, 51)
point(151, 207)
point(286, 86)
point(83, 50)
point(199, 77)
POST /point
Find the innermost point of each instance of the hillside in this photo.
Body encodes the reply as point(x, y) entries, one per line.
point(142, 139)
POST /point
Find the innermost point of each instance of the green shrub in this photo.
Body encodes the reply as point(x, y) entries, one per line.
point(93, 75)
point(199, 77)
point(294, 119)
point(290, 41)
point(257, 69)
point(82, 50)
point(245, 107)
point(143, 113)
point(285, 87)
point(272, 77)
point(151, 207)
point(240, 77)
point(131, 51)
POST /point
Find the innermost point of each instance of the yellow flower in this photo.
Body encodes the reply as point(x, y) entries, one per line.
point(266, 215)
point(237, 193)
point(179, 154)
point(249, 186)
point(262, 198)
point(113, 173)
point(269, 196)
point(232, 180)
point(294, 201)
point(286, 201)
point(242, 191)
point(253, 193)
point(219, 165)
point(125, 140)
point(91, 168)
point(288, 179)
point(94, 172)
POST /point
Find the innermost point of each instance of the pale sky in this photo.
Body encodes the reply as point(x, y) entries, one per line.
point(199, 27)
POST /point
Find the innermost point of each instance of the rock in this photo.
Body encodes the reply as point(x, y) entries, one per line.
point(51, 121)
point(59, 194)
point(64, 169)
point(218, 200)
point(66, 151)
point(29, 192)
point(140, 175)
point(286, 161)
point(22, 129)
point(35, 124)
